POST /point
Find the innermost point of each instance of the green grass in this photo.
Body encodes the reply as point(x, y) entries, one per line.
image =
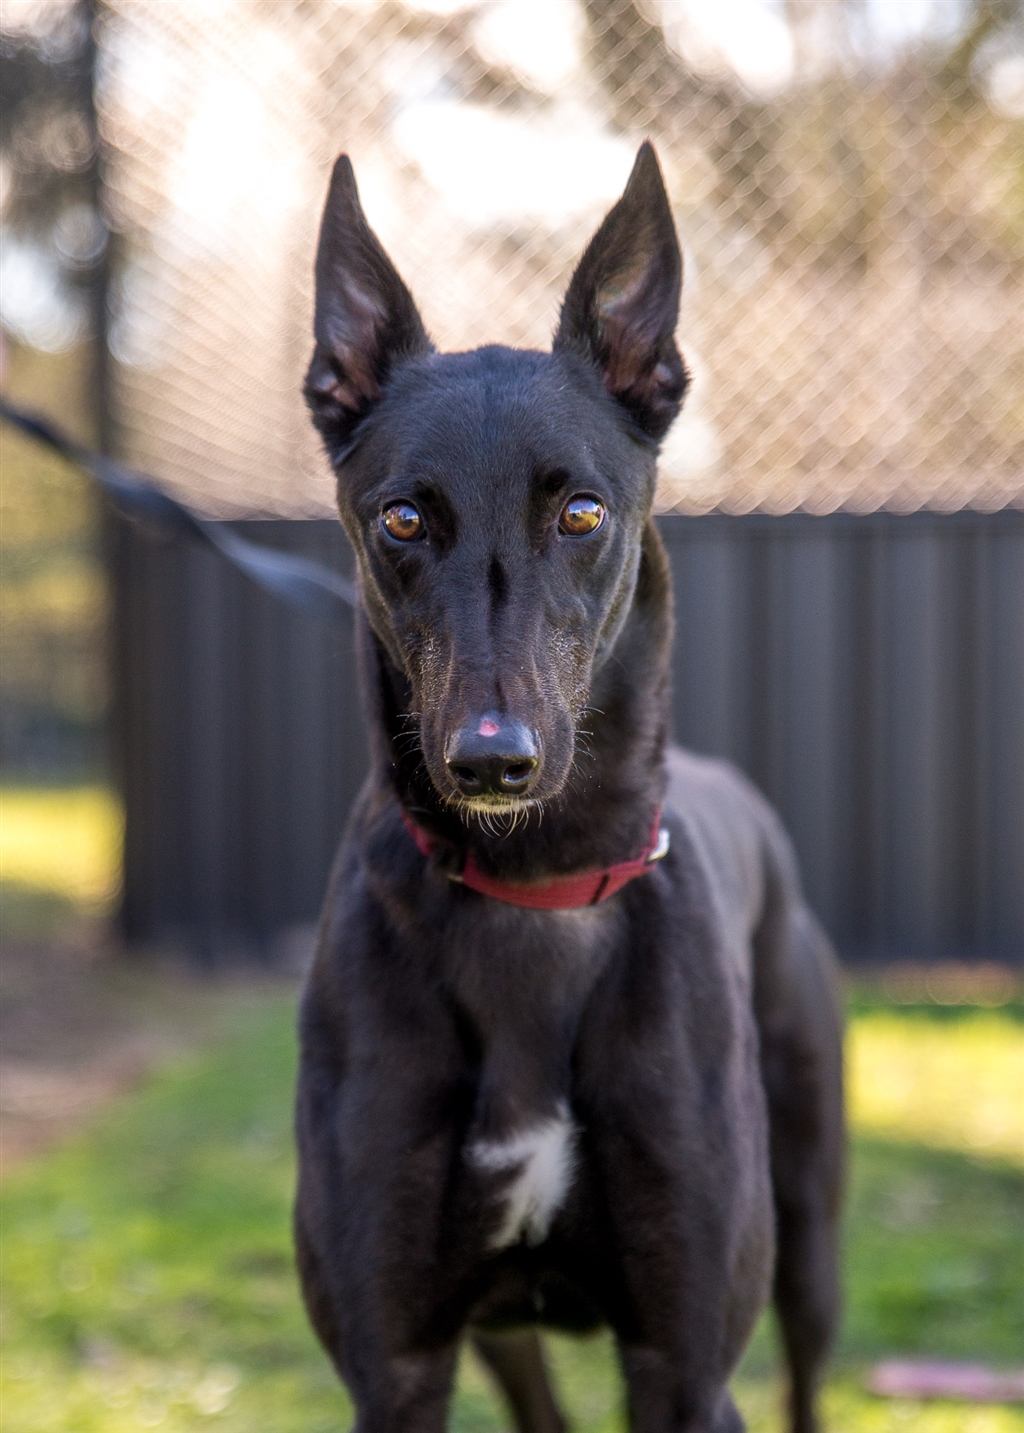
point(944, 1080)
point(148, 1280)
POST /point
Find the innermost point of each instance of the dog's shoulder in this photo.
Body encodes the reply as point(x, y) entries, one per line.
point(737, 839)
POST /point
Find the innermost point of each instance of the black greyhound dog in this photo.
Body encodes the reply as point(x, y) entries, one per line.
point(571, 1054)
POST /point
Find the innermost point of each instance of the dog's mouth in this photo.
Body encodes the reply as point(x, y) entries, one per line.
point(499, 815)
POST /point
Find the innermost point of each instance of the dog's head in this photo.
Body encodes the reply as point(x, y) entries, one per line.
point(495, 499)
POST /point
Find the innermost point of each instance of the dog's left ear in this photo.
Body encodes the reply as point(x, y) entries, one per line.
point(365, 318)
point(621, 307)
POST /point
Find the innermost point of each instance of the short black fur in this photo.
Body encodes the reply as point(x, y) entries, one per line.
point(628, 1114)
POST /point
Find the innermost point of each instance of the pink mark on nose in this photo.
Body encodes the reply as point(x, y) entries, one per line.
point(488, 728)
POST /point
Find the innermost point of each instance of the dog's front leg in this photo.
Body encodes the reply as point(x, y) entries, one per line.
point(657, 1404)
point(675, 1134)
point(375, 1161)
point(678, 1346)
point(692, 1234)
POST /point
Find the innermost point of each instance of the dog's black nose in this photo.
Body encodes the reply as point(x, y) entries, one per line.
point(493, 757)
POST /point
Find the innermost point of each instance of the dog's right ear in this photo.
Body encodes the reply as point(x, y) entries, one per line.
point(365, 319)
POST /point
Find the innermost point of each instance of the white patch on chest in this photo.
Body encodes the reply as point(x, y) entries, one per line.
point(539, 1162)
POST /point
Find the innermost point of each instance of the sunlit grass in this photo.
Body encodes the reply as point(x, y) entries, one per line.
point(951, 1085)
point(149, 1282)
point(64, 842)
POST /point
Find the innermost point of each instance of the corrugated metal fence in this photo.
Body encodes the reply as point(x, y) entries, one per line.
point(867, 671)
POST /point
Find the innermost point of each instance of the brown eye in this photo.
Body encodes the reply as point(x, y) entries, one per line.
point(581, 516)
point(402, 522)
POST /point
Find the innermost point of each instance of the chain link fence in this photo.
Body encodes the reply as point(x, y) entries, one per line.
point(849, 191)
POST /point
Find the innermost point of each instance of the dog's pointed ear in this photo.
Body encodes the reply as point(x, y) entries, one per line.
point(621, 307)
point(365, 318)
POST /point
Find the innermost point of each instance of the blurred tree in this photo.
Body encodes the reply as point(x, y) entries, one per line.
point(984, 20)
point(53, 600)
point(869, 148)
point(49, 148)
point(44, 76)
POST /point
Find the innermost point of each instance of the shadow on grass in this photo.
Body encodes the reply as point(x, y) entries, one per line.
point(149, 1280)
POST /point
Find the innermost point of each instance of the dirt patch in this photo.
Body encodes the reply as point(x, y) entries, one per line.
point(81, 1024)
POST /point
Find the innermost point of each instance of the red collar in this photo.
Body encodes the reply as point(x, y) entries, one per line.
point(561, 893)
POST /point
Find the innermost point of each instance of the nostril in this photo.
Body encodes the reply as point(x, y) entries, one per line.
point(466, 777)
point(517, 774)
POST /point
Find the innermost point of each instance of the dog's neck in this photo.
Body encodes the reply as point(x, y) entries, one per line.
point(604, 813)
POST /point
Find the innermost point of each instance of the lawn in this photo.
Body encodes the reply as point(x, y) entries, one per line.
point(147, 1266)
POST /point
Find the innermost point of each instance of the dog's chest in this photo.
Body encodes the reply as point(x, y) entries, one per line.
point(524, 980)
point(527, 1175)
